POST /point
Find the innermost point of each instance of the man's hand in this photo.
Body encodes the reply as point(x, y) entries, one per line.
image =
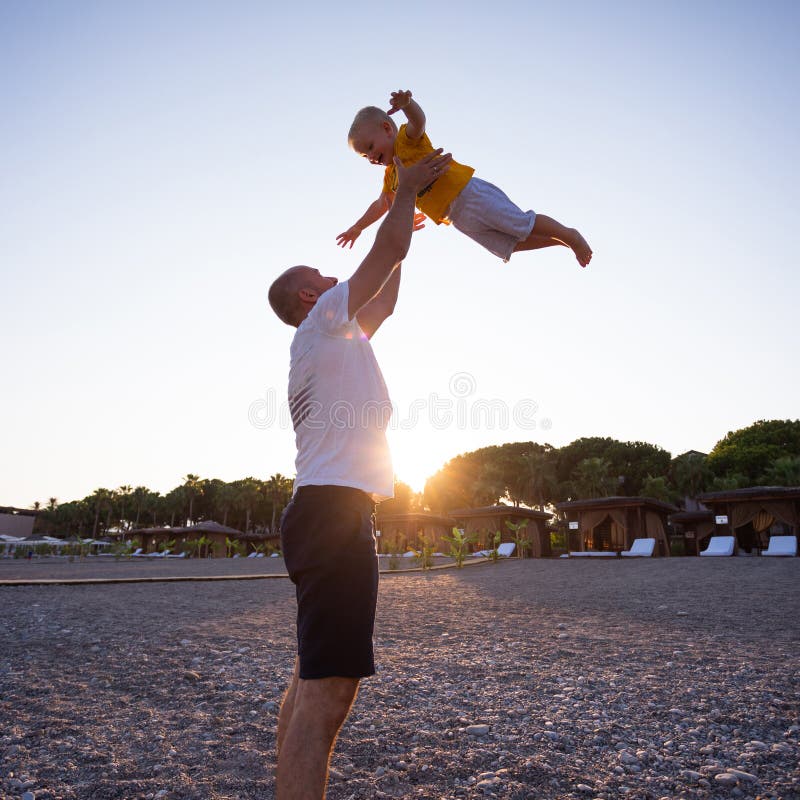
point(399, 100)
point(424, 172)
point(349, 236)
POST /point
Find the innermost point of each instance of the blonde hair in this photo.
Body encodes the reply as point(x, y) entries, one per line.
point(283, 296)
point(366, 116)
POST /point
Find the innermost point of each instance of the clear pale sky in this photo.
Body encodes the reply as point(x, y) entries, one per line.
point(160, 163)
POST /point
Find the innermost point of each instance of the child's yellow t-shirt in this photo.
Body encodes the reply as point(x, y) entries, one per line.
point(433, 200)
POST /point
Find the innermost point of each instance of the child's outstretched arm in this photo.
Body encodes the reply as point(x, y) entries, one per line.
point(401, 101)
point(372, 214)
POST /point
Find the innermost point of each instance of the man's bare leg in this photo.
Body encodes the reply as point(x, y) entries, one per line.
point(287, 706)
point(546, 229)
point(319, 707)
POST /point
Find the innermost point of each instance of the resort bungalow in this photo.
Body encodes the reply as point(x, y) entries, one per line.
point(752, 515)
point(486, 521)
point(181, 540)
point(610, 524)
point(398, 533)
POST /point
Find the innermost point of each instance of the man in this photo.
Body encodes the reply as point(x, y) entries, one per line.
point(340, 408)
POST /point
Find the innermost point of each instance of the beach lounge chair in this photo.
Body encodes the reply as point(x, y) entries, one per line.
point(481, 553)
point(719, 546)
point(176, 555)
point(781, 546)
point(138, 552)
point(641, 548)
point(593, 553)
point(254, 554)
point(158, 555)
point(506, 549)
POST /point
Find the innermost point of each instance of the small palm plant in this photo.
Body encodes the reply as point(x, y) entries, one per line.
point(232, 546)
point(521, 539)
point(192, 547)
point(424, 555)
point(459, 545)
point(166, 545)
point(493, 554)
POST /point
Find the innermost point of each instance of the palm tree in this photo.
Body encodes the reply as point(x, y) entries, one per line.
point(489, 486)
point(657, 488)
point(691, 474)
point(123, 493)
point(52, 504)
point(224, 499)
point(100, 498)
point(539, 475)
point(174, 503)
point(592, 478)
point(193, 487)
point(248, 493)
point(784, 471)
point(139, 497)
point(279, 489)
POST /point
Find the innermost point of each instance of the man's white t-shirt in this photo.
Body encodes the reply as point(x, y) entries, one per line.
point(339, 403)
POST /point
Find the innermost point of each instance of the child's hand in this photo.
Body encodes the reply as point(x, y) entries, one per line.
point(399, 100)
point(348, 237)
point(419, 221)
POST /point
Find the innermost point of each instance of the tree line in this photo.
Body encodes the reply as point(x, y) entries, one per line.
point(521, 473)
point(539, 475)
point(249, 505)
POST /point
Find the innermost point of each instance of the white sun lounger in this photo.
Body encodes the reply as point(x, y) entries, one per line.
point(641, 548)
point(781, 546)
point(177, 555)
point(506, 549)
point(593, 553)
point(719, 546)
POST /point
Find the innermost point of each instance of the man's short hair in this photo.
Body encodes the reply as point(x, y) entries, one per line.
point(368, 115)
point(283, 296)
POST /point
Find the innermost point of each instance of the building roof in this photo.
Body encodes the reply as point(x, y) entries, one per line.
point(23, 512)
point(208, 526)
point(752, 493)
point(416, 516)
point(499, 510)
point(616, 502)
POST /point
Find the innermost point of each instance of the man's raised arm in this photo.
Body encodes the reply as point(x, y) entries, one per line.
point(394, 235)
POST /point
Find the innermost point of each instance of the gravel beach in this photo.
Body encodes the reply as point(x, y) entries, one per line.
point(656, 678)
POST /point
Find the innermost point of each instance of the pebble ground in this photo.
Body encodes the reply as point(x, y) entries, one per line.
point(645, 679)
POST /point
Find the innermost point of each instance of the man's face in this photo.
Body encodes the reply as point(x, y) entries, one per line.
point(310, 278)
point(376, 143)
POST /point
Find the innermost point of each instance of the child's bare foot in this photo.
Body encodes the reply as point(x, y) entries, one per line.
point(580, 247)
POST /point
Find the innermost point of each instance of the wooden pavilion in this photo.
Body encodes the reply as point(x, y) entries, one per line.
point(753, 514)
point(399, 533)
point(612, 523)
point(216, 536)
point(487, 520)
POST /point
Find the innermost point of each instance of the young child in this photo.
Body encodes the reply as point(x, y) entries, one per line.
point(477, 208)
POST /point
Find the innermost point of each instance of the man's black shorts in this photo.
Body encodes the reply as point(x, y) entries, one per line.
point(328, 544)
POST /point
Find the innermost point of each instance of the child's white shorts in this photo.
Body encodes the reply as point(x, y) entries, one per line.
point(484, 213)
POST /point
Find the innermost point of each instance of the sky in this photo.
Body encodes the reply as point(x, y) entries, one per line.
point(161, 163)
